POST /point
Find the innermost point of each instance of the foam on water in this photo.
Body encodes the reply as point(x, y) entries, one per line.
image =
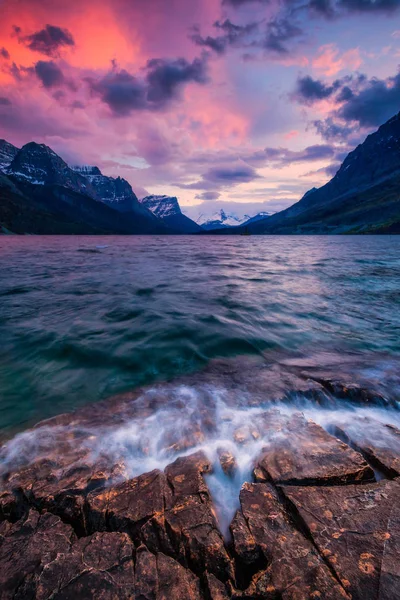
point(189, 419)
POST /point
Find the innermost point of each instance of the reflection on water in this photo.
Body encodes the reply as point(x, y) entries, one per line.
point(83, 318)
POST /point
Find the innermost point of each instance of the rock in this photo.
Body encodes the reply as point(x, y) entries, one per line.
point(215, 588)
point(174, 581)
point(26, 548)
point(146, 576)
point(302, 453)
point(185, 476)
point(243, 541)
point(380, 443)
point(227, 461)
point(295, 569)
point(98, 566)
point(126, 506)
point(356, 529)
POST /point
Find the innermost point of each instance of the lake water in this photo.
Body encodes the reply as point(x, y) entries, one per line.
point(84, 318)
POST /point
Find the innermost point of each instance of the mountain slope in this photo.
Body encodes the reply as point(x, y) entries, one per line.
point(113, 191)
point(167, 208)
point(7, 154)
point(91, 200)
point(363, 196)
point(55, 209)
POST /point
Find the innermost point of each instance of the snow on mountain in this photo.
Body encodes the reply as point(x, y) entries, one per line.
point(162, 206)
point(114, 191)
point(167, 208)
point(7, 154)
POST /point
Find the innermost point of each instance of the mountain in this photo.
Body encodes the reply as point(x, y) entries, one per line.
point(258, 217)
point(115, 192)
point(40, 193)
point(40, 165)
point(167, 208)
point(363, 196)
point(7, 154)
point(221, 219)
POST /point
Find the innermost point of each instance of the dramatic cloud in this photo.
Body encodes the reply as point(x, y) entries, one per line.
point(330, 130)
point(232, 35)
point(239, 173)
point(207, 196)
point(124, 92)
point(309, 90)
point(4, 53)
point(374, 104)
point(384, 6)
point(49, 40)
point(5, 101)
point(282, 156)
point(279, 32)
point(49, 74)
point(358, 101)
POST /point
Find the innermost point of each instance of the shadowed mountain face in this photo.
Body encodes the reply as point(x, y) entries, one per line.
point(113, 191)
point(167, 208)
point(41, 194)
point(7, 154)
point(363, 197)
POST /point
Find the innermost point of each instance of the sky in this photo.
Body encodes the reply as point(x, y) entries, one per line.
point(242, 104)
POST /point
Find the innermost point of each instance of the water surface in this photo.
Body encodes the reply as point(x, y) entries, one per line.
point(83, 318)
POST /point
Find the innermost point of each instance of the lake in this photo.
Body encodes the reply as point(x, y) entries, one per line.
point(84, 318)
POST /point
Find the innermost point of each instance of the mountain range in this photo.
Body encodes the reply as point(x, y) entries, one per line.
point(363, 197)
point(224, 219)
point(40, 193)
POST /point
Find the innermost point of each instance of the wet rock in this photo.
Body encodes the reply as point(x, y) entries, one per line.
point(356, 529)
point(216, 590)
point(174, 581)
point(26, 547)
point(295, 569)
point(98, 566)
point(126, 506)
point(185, 476)
point(379, 443)
point(302, 453)
point(191, 521)
point(146, 576)
point(244, 543)
point(227, 461)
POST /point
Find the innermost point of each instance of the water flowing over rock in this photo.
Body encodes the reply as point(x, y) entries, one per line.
point(207, 492)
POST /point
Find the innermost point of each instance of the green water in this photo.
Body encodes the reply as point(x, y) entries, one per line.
point(83, 318)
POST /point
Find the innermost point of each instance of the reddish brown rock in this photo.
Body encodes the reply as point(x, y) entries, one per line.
point(125, 507)
point(146, 576)
point(26, 548)
point(380, 443)
point(295, 569)
point(185, 476)
point(227, 462)
point(243, 541)
point(302, 453)
point(174, 581)
point(356, 529)
point(98, 566)
point(215, 588)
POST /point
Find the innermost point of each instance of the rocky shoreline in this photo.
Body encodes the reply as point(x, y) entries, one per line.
point(318, 518)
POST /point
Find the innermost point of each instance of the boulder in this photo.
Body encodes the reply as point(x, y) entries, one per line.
point(379, 443)
point(295, 570)
point(300, 452)
point(356, 530)
point(128, 505)
point(26, 547)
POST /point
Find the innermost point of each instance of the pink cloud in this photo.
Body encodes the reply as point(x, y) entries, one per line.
point(330, 60)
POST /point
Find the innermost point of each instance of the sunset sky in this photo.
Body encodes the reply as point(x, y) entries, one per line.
point(210, 100)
